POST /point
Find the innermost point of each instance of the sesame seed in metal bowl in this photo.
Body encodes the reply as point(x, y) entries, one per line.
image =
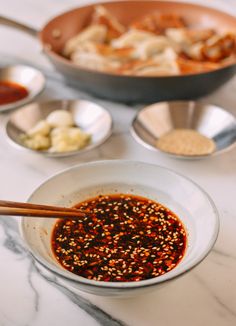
point(185, 129)
point(140, 232)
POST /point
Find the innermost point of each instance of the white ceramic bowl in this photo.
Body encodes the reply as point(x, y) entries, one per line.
point(181, 195)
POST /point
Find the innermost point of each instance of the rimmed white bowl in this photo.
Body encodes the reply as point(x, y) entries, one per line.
point(32, 79)
point(185, 198)
point(89, 116)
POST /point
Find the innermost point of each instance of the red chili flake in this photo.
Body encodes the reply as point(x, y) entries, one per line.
point(126, 238)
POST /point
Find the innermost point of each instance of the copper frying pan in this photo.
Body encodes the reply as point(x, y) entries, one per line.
point(132, 88)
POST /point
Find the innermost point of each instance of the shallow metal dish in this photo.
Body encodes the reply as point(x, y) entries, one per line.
point(157, 119)
point(32, 79)
point(89, 116)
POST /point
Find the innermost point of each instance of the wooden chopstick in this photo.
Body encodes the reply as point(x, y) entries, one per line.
point(7, 203)
point(27, 209)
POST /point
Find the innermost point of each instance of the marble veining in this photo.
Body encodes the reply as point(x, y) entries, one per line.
point(33, 296)
point(12, 242)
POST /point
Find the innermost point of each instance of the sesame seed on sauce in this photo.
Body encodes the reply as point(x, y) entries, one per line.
point(126, 238)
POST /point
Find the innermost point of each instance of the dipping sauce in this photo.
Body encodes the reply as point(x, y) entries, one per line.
point(11, 92)
point(126, 238)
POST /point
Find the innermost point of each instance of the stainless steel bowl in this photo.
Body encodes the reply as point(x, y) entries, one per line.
point(157, 119)
point(32, 79)
point(89, 116)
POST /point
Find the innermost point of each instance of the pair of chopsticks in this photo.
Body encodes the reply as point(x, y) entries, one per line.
point(34, 210)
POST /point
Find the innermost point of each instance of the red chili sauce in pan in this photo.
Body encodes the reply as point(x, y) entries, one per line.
point(126, 238)
point(11, 92)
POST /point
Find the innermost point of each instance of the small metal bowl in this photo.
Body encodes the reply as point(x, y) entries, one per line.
point(89, 116)
point(32, 79)
point(211, 121)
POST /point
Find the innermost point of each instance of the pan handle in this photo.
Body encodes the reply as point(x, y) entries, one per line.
point(22, 27)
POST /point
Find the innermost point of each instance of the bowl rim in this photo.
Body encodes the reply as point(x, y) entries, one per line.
point(142, 142)
point(76, 279)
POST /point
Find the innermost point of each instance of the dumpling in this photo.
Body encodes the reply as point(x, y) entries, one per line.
point(151, 47)
point(131, 39)
point(105, 50)
point(87, 46)
point(184, 36)
point(95, 33)
point(200, 35)
point(219, 47)
point(195, 51)
point(104, 17)
point(178, 36)
point(101, 57)
point(95, 61)
point(215, 49)
point(168, 55)
point(160, 65)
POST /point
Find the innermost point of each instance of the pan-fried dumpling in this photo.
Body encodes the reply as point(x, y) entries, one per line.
point(120, 54)
point(85, 47)
point(215, 49)
point(102, 16)
point(95, 33)
point(151, 47)
point(100, 56)
point(178, 36)
point(195, 51)
point(131, 39)
point(200, 35)
point(219, 47)
point(162, 64)
point(167, 55)
point(185, 37)
point(95, 61)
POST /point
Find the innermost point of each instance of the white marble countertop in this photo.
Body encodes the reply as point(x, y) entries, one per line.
point(33, 297)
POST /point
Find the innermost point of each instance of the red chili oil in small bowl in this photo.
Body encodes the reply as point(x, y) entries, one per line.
point(126, 238)
point(11, 92)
